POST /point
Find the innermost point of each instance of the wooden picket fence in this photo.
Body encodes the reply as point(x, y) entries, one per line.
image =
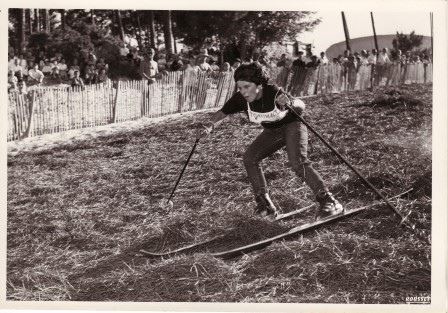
point(335, 78)
point(55, 109)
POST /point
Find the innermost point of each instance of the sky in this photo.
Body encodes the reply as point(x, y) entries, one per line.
point(330, 30)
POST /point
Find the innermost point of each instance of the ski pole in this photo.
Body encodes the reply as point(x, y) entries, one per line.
point(366, 182)
point(183, 170)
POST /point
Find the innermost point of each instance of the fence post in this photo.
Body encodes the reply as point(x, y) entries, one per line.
point(114, 105)
point(30, 117)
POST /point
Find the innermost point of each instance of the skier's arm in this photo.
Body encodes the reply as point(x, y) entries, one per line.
point(208, 127)
point(284, 99)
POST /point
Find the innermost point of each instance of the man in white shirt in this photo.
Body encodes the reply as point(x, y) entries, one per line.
point(124, 51)
point(148, 67)
point(11, 62)
point(371, 59)
point(46, 69)
point(62, 66)
point(16, 67)
point(382, 66)
point(35, 76)
point(383, 57)
point(323, 58)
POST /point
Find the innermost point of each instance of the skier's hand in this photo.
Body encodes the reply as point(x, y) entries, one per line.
point(282, 101)
point(204, 130)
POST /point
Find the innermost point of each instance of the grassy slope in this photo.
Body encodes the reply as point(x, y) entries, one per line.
point(79, 213)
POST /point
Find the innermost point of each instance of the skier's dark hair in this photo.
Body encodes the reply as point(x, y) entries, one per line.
point(252, 72)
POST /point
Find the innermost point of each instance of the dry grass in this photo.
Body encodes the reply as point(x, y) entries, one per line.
point(78, 213)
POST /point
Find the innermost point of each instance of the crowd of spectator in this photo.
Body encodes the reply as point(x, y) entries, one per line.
point(356, 59)
point(27, 71)
point(43, 70)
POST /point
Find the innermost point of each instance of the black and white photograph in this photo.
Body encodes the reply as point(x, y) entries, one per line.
point(222, 156)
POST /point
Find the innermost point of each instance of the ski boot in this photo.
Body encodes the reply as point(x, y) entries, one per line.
point(265, 206)
point(328, 205)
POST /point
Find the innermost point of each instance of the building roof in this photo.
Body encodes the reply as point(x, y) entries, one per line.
point(367, 42)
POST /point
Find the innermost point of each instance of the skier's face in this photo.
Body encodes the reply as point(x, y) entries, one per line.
point(249, 90)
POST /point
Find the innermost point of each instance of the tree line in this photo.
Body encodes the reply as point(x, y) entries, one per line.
point(241, 32)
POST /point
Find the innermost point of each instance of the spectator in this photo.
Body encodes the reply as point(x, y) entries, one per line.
point(382, 66)
point(299, 62)
point(124, 51)
point(21, 85)
point(35, 76)
point(263, 60)
point(323, 58)
point(177, 64)
point(236, 64)
point(307, 58)
point(134, 57)
point(22, 61)
point(357, 57)
point(41, 56)
point(77, 80)
point(47, 67)
point(55, 70)
point(363, 57)
point(313, 63)
point(91, 58)
point(214, 67)
point(340, 59)
point(101, 65)
point(372, 58)
point(188, 67)
point(24, 64)
point(347, 53)
point(352, 70)
point(74, 67)
point(90, 75)
point(12, 81)
point(62, 66)
point(102, 76)
point(282, 62)
point(57, 57)
point(204, 66)
point(148, 67)
point(298, 74)
point(396, 56)
point(225, 68)
point(12, 62)
point(383, 57)
point(248, 60)
point(16, 67)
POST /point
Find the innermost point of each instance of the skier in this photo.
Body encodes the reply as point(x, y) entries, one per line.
point(265, 104)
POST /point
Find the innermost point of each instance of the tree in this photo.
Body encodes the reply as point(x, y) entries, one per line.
point(247, 30)
point(22, 29)
point(120, 24)
point(168, 33)
point(152, 29)
point(29, 21)
point(140, 32)
point(62, 19)
point(46, 20)
point(407, 43)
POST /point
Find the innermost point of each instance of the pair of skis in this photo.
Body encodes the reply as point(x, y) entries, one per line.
point(267, 241)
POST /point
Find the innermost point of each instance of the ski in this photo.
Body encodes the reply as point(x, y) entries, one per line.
point(201, 243)
point(181, 249)
point(294, 231)
point(264, 242)
point(282, 216)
